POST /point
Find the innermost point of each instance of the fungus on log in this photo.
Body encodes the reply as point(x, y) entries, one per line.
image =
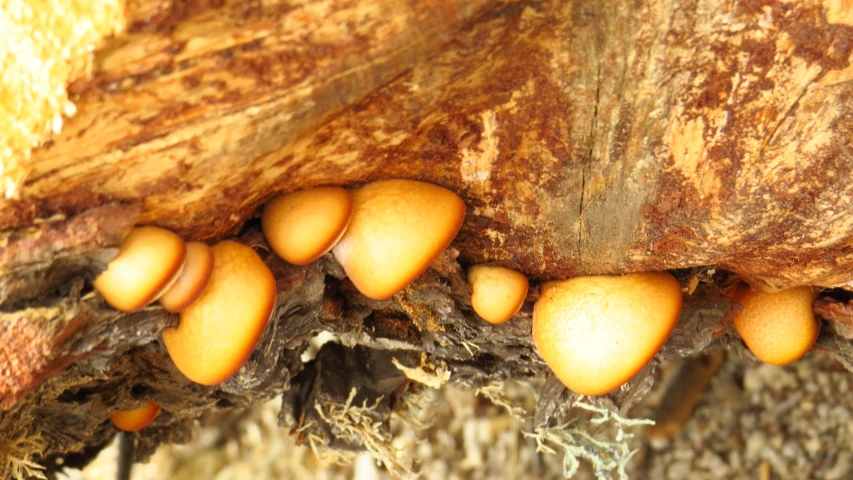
point(585, 138)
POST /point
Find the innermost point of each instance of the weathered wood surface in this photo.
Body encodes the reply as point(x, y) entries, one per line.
point(585, 137)
point(189, 110)
point(622, 136)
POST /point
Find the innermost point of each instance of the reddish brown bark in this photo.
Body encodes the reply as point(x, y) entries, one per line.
point(650, 136)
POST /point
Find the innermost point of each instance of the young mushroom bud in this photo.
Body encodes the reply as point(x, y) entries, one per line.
point(192, 280)
point(218, 332)
point(148, 261)
point(397, 229)
point(302, 226)
point(498, 292)
point(597, 332)
point(779, 327)
point(137, 419)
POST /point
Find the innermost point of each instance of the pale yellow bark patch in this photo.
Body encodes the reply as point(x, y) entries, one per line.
point(839, 11)
point(477, 161)
point(46, 44)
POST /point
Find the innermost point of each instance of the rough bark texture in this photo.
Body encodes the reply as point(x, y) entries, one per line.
point(585, 138)
point(716, 135)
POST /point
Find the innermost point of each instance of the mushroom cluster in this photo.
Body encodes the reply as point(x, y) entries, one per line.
point(224, 296)
point(595, 332)
point(155, 264)
point(385, 234)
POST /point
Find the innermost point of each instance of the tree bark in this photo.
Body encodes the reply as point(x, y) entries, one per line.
point(585, 138)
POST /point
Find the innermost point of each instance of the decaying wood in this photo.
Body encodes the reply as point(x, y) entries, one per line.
point(584, 137)
point(630, 137)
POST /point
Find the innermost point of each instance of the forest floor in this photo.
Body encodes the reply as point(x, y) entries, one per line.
point(755, 421)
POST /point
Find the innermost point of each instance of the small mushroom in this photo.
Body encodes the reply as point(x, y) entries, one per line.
point(149, 260)
point(397, 229)
point(597, 332)
point(498, 292)
point(192, 280)
point(137, 419)
point(778, 327)
point(302, 226)
point(218, 332)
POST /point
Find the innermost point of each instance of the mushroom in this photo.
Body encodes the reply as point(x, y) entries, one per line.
point(192, 280)
point(397, 229)
point(148, 261)
point(498, 292)
point(302, 226)
point(137, 419)
point(218, 332)
point(779, 327)
point(597, 332)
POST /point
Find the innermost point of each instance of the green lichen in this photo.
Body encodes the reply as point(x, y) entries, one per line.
point(607, 454)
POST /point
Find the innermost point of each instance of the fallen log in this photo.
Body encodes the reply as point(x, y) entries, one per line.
point(585, 138)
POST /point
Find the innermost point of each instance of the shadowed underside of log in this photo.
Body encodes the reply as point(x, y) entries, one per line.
point(584, 137)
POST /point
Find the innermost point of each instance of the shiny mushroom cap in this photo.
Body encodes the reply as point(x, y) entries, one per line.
point(779, 327)
point(302, 226)
point(498, 292)
point(149, 260)
point(137, 419)
point(192, 280)
point(397, 229)
point(218, 332)
point(597, 332)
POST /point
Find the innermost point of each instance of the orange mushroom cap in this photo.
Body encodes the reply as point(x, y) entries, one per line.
point(302, 226)
point(192, 280)
point(218, 332)
point(137, 419)
point(397, 229)
point(597, 332)
point(779, 327)
point(149, 260)
point(498, 292)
